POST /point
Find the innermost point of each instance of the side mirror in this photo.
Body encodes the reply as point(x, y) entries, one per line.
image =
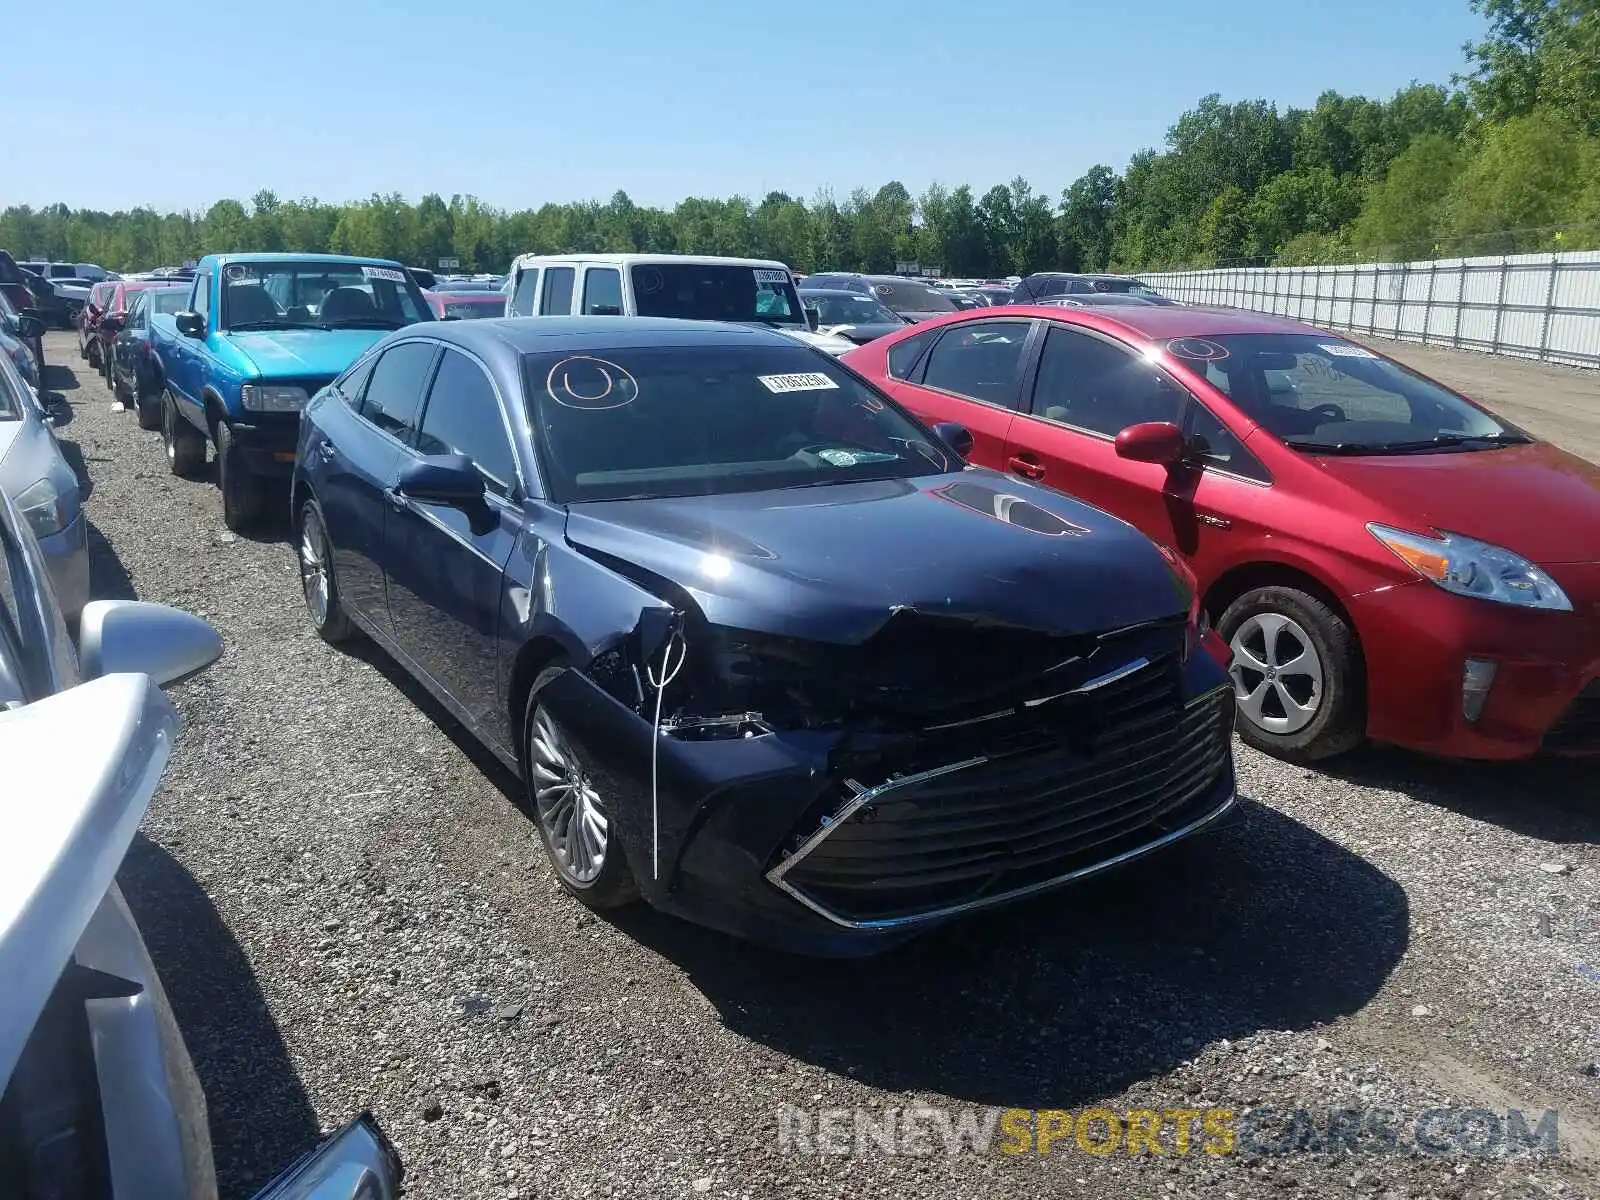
point(955, 435)
point(29, 327)
point(167, 644)
point(1159, 442)
point(813, 318)
point(190, 324)
point(442, 479)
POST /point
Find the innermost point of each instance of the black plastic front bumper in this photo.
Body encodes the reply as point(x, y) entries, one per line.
point(729, 814)
point(267, 442)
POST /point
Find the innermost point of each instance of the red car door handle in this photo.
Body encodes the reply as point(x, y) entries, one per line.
point(1025, 466)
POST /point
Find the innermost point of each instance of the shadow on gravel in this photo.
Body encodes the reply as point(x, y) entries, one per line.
point(73, 453)
point(58, 377)
point(491, 767)
point(1551, 799)
point(1075, 997)
point(260, 1115)
point(108, 578)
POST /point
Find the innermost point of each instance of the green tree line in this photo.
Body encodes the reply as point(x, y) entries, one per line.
point(1506, 159)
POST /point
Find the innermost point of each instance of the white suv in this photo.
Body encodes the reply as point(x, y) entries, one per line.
point(750, 291)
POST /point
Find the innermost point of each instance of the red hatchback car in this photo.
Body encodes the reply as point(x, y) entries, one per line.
point(1385, 558)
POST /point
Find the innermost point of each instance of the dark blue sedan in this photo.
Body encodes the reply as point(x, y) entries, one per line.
point(761, 647)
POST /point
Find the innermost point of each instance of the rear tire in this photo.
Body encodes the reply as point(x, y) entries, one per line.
point(185, 447)
point(317, 580)
point(149, 410)
point(561, 795)
point(1297, 674)
point(241, 487)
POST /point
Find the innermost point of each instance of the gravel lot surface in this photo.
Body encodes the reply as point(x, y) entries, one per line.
point(349, 911)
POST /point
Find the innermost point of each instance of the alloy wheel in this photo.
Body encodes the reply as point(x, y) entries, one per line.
point(314, 577)
point(569, 808)
point(1277, 673)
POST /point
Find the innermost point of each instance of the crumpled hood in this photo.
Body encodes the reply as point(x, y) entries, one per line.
point(863, 333)
point(1537, 500)
point(297, 353)
point(826, 342)
point(832, 564)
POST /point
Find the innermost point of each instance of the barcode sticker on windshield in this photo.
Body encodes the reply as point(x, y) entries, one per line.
point(388, 273)
point(811, 382)
point(771, 275)
point(1344, 350)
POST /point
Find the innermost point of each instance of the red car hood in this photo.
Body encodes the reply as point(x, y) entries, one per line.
point(1537, 500)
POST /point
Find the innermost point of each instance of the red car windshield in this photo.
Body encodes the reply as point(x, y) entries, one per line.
point(1322, 394)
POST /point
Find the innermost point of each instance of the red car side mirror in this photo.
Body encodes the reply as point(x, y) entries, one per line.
point(1159, 442)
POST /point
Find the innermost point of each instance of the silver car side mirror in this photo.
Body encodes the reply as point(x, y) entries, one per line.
point(167, 644)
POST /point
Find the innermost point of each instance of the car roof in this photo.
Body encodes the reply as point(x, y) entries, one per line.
point(842, 293)
point(544, 335)
point(268, 256)
point(629, 260)
point(1158, 322)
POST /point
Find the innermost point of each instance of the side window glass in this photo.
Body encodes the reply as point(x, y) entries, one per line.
point(527, 289)
point(557, 292)
point(1100, 387)
point(1213, 444)
point(602, 292)
point(354, 383)
point(463, 417)
point(904, 355)
point(394, 391)
point(201, 300)
point(979, 360)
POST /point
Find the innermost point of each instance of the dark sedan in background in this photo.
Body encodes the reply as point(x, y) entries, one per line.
point(761, 646)
point(137, 376)
point(850, 315)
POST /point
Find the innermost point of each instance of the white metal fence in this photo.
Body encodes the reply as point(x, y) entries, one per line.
point(1543, 306)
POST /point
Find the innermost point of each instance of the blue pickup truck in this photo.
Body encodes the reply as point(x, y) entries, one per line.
point(261, 333)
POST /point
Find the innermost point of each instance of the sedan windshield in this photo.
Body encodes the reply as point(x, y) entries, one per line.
point(470, 307)
point(1322, 394)
point(907, 295)
point(717, 292)
point(851, 310)
point(646, 423)
point(320, 295)
point(168, 300)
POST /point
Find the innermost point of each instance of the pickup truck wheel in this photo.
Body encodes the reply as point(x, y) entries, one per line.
point(241, 488)
point(317, 580)
point(186, 449)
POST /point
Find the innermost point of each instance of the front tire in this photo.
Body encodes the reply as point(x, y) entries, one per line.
point(92, 353)
point(185, 447)
point(580, 837)
point(1297, 674)
point(321, 590)
point(241, 487)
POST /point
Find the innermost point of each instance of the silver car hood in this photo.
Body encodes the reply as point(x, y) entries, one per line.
point(81, 767)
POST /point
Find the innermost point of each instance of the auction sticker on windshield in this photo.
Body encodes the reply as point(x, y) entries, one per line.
point(771, 275)
point(808, 382)
point(388, 273)
point(1341, 350)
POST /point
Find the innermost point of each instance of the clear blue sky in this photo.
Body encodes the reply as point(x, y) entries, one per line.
point(179, 104)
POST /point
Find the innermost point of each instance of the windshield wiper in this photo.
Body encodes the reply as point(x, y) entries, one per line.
point(249, 326)
point(1443, 441)
point(1459, 439)
point(363, 323)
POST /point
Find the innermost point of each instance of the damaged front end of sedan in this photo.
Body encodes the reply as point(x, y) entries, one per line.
point(834, 796)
